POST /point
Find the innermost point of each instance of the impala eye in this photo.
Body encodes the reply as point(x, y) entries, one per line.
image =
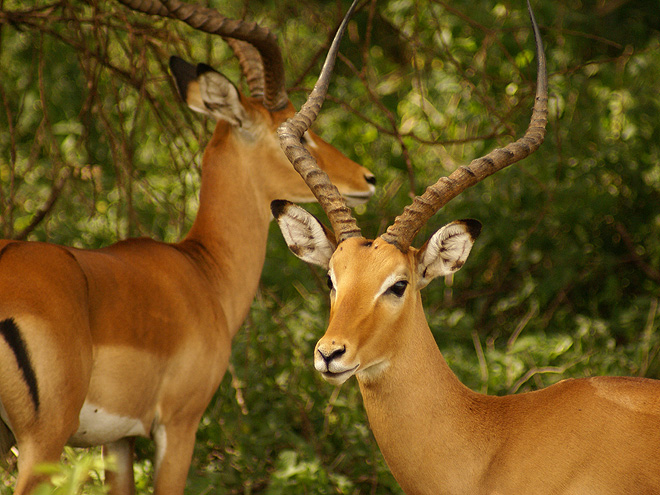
point(330, 286)
point(398, 288)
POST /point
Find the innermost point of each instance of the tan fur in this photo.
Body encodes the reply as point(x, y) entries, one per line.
point(578, 437)
point(142, 329)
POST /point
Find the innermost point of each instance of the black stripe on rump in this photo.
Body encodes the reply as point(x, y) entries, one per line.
point(12, 336)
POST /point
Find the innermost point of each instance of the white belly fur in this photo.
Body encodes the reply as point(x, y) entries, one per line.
point(98, 427)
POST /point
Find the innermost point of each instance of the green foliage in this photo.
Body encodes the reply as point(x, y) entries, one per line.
point(81, 474)
point(563, 282)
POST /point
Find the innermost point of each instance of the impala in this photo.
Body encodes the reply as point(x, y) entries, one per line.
point(100, 346)
point(584, 436)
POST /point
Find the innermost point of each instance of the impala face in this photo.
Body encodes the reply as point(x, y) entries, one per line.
point(374, 288)
point(371, 286)
point(355, 182)
point(249, 130)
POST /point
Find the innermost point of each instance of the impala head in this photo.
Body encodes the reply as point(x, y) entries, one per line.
point(375, 285)
point(374, 288)
point(251, 123)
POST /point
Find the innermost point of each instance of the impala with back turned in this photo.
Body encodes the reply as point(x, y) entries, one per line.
point(589, 436)
point(100, 346)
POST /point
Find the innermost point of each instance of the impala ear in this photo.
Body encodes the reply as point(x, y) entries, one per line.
point(446, 251)
point(306, 236)
point(207, 91)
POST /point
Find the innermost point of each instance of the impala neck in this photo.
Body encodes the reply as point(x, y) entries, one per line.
point(424, 419)
point(229, 235)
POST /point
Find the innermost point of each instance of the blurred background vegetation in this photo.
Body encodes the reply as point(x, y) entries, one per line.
point(564, 281)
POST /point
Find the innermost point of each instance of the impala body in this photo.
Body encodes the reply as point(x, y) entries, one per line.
point(591, 436)
point(100, 346)
point(588, 436)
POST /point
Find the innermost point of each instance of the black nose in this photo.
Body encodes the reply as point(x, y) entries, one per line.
point(335, 353)
point(371, 179)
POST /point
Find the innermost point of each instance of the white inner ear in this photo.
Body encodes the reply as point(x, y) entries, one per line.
point(305, 236)
point(221, 99)
point(445, 253)
point(194, 98)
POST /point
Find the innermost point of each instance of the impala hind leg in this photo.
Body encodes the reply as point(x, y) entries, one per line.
point(43, 421)
point(32, 454)
point(120, 478)
point(42, 443)
point(41, 438)
point(45, 351)
point(42, 432)
point(174, 449)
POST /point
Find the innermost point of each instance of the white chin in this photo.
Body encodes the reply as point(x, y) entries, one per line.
point(374, 371)
point(337, 378)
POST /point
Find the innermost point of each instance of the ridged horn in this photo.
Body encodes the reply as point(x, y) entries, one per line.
point(406, 226)
point(260, 59)
point(290, 134)
point(252, 68)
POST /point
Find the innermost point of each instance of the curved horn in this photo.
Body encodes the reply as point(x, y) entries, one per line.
point(269, 81)
point(251, 66)
point(405, 226)
point(290, 133)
